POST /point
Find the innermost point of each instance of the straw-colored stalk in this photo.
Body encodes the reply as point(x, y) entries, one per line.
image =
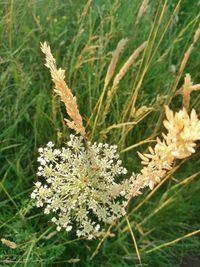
point(186, 57)
point(120, 76)
point(180, 73)
point(187, 89)
point(111, 69)
point(128, 64)
point(114, 60)
point(62, 89)
point(142, 10)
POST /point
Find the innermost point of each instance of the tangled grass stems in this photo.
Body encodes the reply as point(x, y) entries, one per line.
point(183, 64)
point(172, 242)
point(148, 56)
point(146, 60)
point(130, 61)
point(178, 186)
point(120, 76)
point(111, 68)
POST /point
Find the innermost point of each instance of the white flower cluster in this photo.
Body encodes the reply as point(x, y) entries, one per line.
point(80, 187)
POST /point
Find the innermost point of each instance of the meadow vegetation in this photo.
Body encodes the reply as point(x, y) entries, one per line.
point(122, 105)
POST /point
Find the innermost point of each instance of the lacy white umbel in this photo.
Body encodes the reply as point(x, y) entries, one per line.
point(80, 188)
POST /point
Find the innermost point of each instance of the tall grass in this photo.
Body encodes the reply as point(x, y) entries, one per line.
point(162, 224)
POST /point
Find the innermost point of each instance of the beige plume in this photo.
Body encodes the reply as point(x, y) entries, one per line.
point(178, 143)
point(62, 89)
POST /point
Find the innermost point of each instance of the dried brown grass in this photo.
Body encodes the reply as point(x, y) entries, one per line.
point(114, 60)
point(142, 10)
point(62, 89)
point(9, 243)
point(122, 72)
point(111, 69)
point(187, 89)
point(185, 60)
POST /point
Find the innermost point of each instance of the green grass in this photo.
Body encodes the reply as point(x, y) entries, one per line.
point(82, 35)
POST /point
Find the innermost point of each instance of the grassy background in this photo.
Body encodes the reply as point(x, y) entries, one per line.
point(82, 35)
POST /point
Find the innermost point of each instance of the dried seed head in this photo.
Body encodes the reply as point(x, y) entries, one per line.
point(62, 89)
point(9, 243)
point(115, 57)
point(179, 142)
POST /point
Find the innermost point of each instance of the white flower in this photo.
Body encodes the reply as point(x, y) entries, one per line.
point(68, 228)
point(46, 211)
point(57, 152)
point(50, 144)
point(80, 185)
point(33, 195)
point(53, 219)
point(38, 184)
point(58, 228)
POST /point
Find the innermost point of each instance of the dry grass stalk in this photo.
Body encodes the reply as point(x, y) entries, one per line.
point(120, 75)
point(146, 61)
point(134, 241)
point(62, 89)
point(185, 59)
point(186, 56)
point(128, 124)
point(142, 10)
point(195, 87)
point(196, 35)
point(109, 75)
point(187, 89)
point(180, 72)
point(178, 143)
point(105, 235)
point(8, 243)
point(114, 60)
point(173, 241)
point(128, 63)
